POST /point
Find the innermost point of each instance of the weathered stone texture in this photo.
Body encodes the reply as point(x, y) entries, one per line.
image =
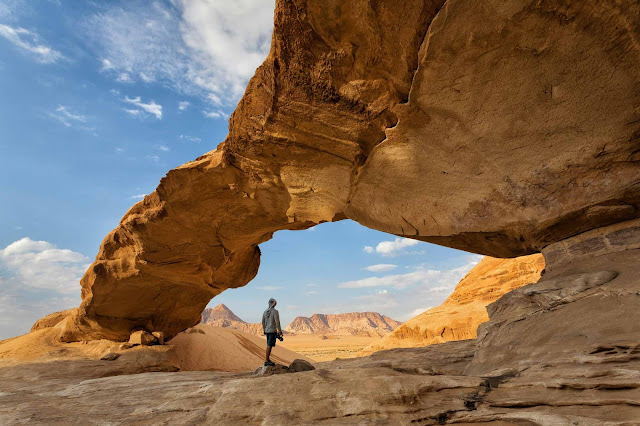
point(498, 127)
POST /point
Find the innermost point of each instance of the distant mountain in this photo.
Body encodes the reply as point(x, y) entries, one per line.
point(221, 316)
point(355, 324)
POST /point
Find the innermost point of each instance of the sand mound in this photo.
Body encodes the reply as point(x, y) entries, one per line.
point(206, 347)
point(200, 348)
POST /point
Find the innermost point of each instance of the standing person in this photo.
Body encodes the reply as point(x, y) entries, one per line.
point(271, 328)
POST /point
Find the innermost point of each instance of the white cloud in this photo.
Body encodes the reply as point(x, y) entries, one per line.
point(187, 138)
point(40, 265)
point(430, 279)
point(30, 43)
point(137, 197)
point(183, 105)
point(146, 78)
point(395, 247)
point(381, 267)
point(199, 47)
point(124, 77)
point(153, 158)
point(66, 117)
point(368, 249)
point(164, 148)
point(107, 65)
point(151, 107)
point(215, 114)
point(269, 288)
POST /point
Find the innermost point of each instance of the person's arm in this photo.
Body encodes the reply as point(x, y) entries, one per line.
point(277, 318)
point(264, 323)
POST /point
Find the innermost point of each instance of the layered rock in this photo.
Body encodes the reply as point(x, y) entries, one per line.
point(497, 127)
point(585, 309)
point(465, 309)
point(353, 324)
point(221, 316)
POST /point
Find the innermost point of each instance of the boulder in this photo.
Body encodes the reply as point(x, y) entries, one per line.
point(142, 337)
point(270, 370)
point(159, 335)
point(299, 365)
point(110, 356)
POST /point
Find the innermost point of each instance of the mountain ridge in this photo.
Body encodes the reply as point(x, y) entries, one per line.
point(353, 323)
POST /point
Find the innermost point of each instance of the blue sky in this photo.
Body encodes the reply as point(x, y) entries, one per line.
point(98, 100)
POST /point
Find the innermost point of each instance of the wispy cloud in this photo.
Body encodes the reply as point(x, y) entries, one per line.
point(183, 105)
point(269, 288)
point(142, 108)
point(124, 77)
point(30, 43)
point(393, 248)
point(433, 279)
point(137, 197)
point(215, 114)
point(187, 138)
point(164, 148)
point(197, 47)
point(66, 117)
point(381, 267)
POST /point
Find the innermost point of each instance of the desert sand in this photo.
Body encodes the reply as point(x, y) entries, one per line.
point(320, 347)
point(203, 347)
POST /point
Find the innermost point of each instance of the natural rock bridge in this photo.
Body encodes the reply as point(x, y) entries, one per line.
point(498, 127)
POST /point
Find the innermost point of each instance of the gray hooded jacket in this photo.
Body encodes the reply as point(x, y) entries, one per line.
point(271, 319)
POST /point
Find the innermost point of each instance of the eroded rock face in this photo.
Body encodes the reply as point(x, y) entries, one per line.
point(580, 306)
point(465, 309)
point(497, 127)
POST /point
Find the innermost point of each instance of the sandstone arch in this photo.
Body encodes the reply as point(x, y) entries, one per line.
point(497, 127)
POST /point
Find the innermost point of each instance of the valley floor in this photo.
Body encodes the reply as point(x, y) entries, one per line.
point(329, 348)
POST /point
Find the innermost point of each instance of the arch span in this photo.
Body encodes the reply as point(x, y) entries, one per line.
point(496, 127)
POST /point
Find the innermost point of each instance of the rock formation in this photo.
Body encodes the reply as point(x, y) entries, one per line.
point(498, 127)
point(370, 324)
point(502, 127)
point(465, 309)
point(221, 316)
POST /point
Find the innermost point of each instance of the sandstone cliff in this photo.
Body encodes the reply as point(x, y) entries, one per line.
point(221, 316)
point(354, 324)
point(498, 127)
point(465, 309)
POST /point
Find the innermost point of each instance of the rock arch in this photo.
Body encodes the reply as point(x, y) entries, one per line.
point(497, 127)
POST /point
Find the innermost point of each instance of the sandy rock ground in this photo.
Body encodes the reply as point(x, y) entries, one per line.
point(399, 386)
point(563, 351)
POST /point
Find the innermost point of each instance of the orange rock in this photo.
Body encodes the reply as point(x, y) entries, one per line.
point(497, 127)
point(465, 309)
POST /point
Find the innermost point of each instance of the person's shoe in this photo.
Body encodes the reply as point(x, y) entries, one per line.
point(269, 364)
